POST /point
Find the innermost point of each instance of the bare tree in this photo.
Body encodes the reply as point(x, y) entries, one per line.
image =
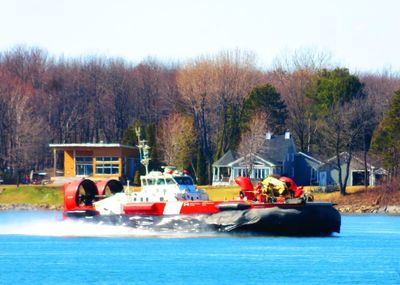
point(294, 86)
point(252, 140)
point(213, 90)
point(156, 92)
point(292, 76)
point(22, 128)
point(236, 76)
point(342, 130)
point(176, 140)
point(196, 85)
point(380, 88)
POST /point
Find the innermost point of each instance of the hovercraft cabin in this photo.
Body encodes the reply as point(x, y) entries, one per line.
point(97, 160)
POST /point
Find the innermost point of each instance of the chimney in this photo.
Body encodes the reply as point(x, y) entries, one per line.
point(287, 135)
point(268, 136)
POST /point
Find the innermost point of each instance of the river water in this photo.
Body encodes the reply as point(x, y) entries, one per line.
point(40, 248)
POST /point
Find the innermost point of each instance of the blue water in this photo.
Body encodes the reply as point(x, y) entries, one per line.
point(39, 248)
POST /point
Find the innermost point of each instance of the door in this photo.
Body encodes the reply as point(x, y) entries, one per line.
point(132, 169)
point(322, 178)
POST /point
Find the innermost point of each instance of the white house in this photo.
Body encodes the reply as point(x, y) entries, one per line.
point(276, 156)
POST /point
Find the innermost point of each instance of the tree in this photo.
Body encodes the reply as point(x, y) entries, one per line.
point(236, 76)
point(380, 88)
point(329, 90)
point(150, 135)
point(294, 85)
point(334, 86)
point(339, 103)
point(176, 140)
point(212, 91)
point(195, 84)
point(23, 130)
point(253, 139)
point(266, 99)
point(292, 77)
point(386, 139)
point(343, 130)
point(129, 136)
point(155, 91)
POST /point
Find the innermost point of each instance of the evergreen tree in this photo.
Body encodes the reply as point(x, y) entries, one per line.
point(232, 132)
point(330, 90)
point(334, 86)
point(150, 135)
point(129, 136)
point(201, 168)
point(342, 116)
point(266, 99)
point(386, 140)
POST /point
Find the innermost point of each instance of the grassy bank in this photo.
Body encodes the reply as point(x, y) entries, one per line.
point(31, 195)
point(221, 193)
point(53, 195)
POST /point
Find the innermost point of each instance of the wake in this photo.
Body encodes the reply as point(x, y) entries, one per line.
point(51, 224)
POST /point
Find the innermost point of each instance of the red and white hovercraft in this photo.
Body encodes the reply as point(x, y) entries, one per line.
point(170, 201)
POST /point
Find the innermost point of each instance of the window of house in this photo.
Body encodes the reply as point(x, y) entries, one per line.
point(107, 158)
point(107, 168)
point(261, 173)
point(84, 159)
point(84, 166)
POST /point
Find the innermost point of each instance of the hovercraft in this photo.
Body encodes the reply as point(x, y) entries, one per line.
point(170, 200)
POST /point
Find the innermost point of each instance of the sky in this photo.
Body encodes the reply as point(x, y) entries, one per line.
point(362, 35)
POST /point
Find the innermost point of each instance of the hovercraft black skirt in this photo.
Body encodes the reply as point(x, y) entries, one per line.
point(309, 219)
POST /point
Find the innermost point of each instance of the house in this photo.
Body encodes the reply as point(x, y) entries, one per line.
point(328, 173)
point(306, 169)
point(97, 160)
point(276, 156)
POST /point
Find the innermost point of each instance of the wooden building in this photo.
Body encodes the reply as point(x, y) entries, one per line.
point(97, 160)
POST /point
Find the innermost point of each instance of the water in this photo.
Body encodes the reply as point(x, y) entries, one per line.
point(39, 248)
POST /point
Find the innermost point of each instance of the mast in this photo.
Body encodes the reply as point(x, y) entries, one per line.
point(143, 151)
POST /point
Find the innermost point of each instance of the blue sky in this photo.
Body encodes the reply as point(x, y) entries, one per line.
point(360, 34)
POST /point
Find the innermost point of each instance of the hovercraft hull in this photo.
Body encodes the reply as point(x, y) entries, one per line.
point(307, 219)
point(311, 219)
point(105, 202)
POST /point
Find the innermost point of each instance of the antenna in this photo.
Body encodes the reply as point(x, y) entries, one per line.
point(143, 150)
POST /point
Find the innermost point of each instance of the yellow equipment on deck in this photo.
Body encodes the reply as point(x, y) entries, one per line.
point(274, 187)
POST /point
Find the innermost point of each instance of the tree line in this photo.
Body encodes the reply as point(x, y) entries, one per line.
point(191, 113)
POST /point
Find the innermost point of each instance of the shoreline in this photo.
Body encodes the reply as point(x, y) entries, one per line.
point(29, 207)
point(343, 209)
point(367, 209)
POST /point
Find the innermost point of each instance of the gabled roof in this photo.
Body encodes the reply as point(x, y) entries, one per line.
point(256, 158)
point(310, 157)
point(344, 155)
point(273, 151)
point(229, 157)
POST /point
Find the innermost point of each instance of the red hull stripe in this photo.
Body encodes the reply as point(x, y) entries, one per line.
point(172, 208)
point(182, 207)
point(199, 207)
point(153, 209)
